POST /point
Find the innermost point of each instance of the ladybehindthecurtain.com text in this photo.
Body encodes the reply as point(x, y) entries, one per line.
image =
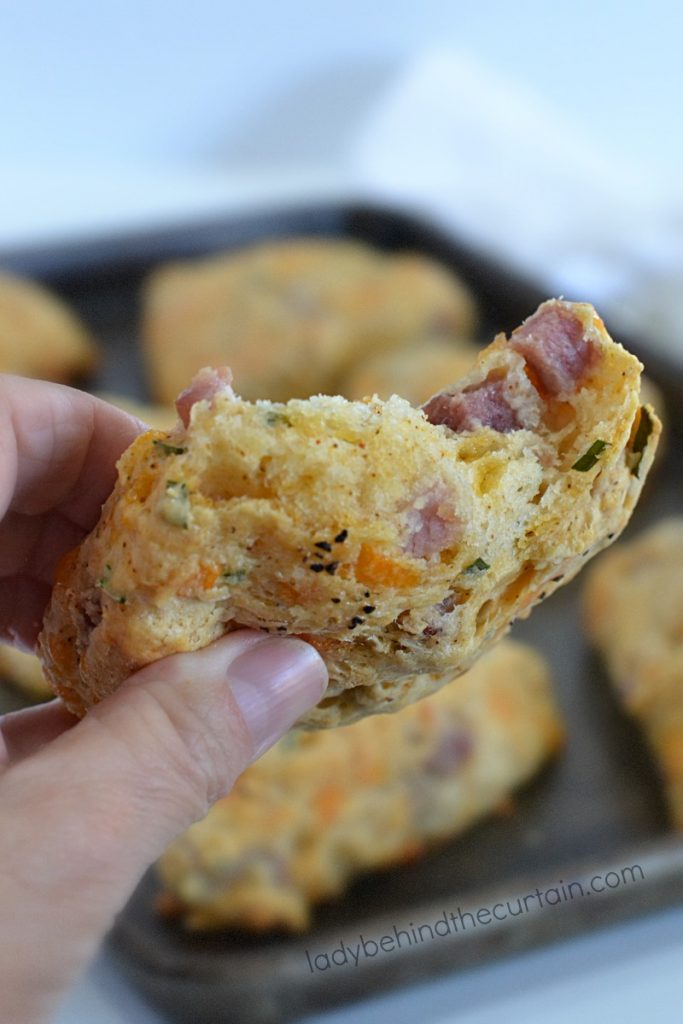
point(461, 921)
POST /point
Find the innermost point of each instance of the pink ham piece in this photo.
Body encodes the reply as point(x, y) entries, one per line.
point(558, 356)
point(454, 749)
point(432, 525)
point(206, 384)
point(483, 405)
point(552, 343)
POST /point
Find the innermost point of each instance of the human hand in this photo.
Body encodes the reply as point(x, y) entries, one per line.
point(86, 806)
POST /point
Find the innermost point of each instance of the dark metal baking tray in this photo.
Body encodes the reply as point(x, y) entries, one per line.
point(597, 808)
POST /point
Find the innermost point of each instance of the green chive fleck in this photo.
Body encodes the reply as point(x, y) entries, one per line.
point(478, 565)
point(274, 419)
point(169, 449)
point(590, 458)
point(238, 576)
point(635, 456)
point(104, 582)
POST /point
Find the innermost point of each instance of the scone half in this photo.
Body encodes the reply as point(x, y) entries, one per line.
point(399, 541)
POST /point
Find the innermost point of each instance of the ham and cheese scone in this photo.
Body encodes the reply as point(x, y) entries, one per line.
point(320, 808)
point(413, 373)
point(290, 317)
point(633, 612)
point(24, 671)
point(398, 541)
point(39, 335)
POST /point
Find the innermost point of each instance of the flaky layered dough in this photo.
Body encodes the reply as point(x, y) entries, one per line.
point(398, 541)
point(321, 807)
point(633, 611)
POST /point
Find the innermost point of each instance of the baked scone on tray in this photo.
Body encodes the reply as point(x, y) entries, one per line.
point(414, 373)
point(24, 671)
point(322, 807)
point(633, 612)
point(399, 541)
point(290, 317)
point(39, 335)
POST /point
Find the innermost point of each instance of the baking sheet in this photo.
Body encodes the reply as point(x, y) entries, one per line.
point(598, 808)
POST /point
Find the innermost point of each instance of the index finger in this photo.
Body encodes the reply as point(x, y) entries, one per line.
point(58, 452)
point(58, 449)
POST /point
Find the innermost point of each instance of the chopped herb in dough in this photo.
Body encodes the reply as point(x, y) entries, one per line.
point(169, 449)
point(234, 576)
point(590, 458)
point(275, 419)
point(104, 584)
point(478, 565)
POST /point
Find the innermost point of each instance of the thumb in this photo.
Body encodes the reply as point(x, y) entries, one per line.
point(205, 716)
point(93, 808)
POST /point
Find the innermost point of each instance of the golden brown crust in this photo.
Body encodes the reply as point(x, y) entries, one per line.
point(652, 395)
point(39, 335)
point(24, 671)
point(633, 611)
point(414, 373)
point(322, 807)
point(291, 317)
point(395, 546)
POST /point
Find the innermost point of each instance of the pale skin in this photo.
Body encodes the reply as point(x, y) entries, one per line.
point(86, 806)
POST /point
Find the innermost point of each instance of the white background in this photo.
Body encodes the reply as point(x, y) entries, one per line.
point(112, 110)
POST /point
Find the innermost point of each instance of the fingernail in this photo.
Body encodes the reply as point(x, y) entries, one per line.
point(273, 684)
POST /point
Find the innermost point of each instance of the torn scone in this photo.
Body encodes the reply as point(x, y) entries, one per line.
point(320, 808)
point(398, 541)
point(633, 612)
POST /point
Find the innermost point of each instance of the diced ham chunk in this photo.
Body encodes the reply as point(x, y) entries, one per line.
point(553, 344)
point(484, 405)
point(453, 750)
point(432, 525)
point(205, 385)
